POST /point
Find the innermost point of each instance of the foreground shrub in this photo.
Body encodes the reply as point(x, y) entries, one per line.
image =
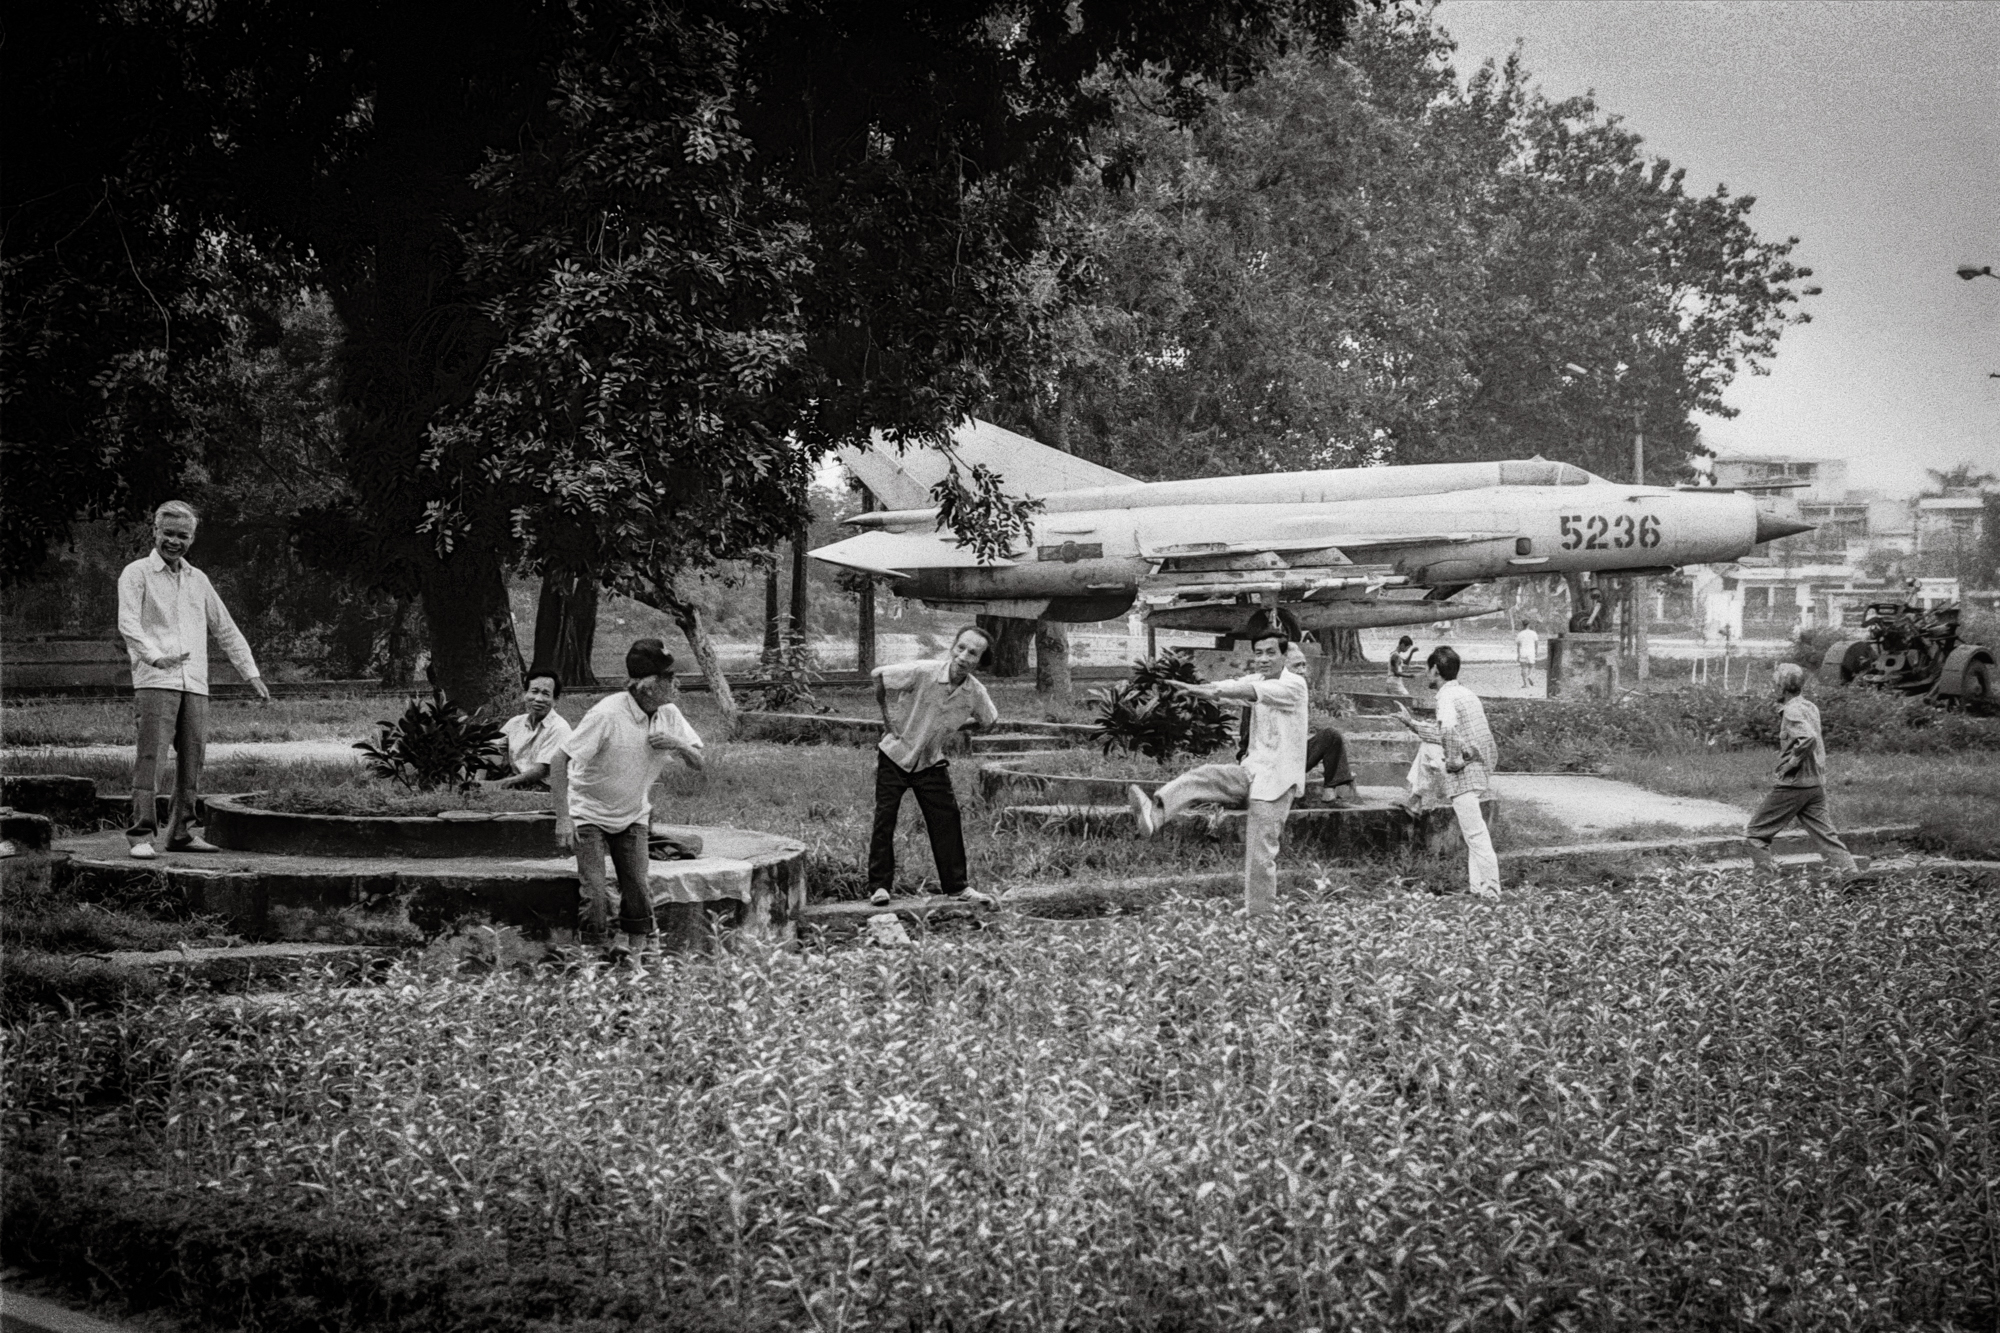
point(434, 744)
point(1702, 1103)
point(1143, 715)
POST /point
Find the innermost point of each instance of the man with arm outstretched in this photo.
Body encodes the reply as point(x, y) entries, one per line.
point(1271, 775)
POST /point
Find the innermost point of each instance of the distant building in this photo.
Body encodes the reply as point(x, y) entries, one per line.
point(1825, 478)
point(1859, 551)
point(1950, 523)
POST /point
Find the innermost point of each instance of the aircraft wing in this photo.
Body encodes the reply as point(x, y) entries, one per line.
point(898, 554)
point(904, 480)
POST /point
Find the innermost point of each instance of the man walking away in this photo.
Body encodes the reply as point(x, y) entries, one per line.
point(602, 777)
point(1799, 791)
point(166, 610)
point(534, 736)
point(1469, 759)
point(923, 704)
point(1524, 652)
point(1271, 776)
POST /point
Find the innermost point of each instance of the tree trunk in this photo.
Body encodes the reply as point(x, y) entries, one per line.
point(473, 651)
point(694, 629)
point(1052, 658)
point(798, 628)
point(566, 626)
point(864, 642)
point(1009, 638)
point(771, 610)
point(399, 666)
point(1341, 647)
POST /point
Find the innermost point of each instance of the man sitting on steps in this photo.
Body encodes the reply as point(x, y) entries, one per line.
point(1271, 775)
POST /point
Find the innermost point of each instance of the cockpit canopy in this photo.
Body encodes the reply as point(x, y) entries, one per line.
point(1541, 472)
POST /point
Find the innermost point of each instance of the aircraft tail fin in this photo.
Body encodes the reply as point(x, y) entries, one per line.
point(1028, 467)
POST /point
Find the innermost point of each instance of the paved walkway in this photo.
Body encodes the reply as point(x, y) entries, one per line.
point(1594, 807)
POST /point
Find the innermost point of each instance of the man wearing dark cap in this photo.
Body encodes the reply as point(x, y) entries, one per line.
point(602, 778)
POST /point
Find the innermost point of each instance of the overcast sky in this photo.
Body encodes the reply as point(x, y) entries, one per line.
point(1868, 129)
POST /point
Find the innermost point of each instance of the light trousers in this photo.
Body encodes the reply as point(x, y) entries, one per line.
point(1482, 863)
point(1263, 829)
point(166, 716)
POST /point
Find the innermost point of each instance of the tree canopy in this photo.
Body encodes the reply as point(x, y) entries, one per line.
point(1358, 258)
point(607, 268)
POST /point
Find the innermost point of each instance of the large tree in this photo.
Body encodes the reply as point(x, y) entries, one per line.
point(891, 173)
point(1359, 259)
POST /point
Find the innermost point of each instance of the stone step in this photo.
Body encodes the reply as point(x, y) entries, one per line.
point(1019, 742)
point(22, 832)
point(1717, 848)
point(255, 963)
point(68, 801)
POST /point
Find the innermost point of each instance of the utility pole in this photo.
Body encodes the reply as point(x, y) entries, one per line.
point(1642, 588)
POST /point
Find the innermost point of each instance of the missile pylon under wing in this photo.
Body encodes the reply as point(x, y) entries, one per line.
point(1350, 548)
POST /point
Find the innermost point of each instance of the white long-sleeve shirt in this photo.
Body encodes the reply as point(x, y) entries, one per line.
point(162, 613)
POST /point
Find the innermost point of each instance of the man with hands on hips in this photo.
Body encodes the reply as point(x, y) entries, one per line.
point(602, 778)
point(166, 610)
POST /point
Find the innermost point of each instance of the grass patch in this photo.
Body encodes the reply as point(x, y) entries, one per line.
point(1950, 797)
point(359, 794)
point(1710, 1103)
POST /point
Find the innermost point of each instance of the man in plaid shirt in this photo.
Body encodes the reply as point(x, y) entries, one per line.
point(1470, 757)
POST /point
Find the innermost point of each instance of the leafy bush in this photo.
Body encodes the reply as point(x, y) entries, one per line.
point(785, 677)
point(1144, 715)
point(436, 744)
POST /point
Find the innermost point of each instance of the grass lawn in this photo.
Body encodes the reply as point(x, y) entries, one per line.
point(76, 722)
point(1953, 798)
point(1700, 1103)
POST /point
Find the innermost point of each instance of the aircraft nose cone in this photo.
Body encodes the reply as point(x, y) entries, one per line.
point(1770, 527)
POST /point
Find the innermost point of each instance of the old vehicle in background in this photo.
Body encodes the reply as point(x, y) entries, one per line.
point(1912, 650)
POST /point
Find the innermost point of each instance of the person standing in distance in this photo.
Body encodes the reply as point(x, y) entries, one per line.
point(1470, 757)
point(166, 610)
point(1799, 787)
point(1399, 666)
point(602, 778)
point(1271, 775)
point(1524, 652)
point(924, 703)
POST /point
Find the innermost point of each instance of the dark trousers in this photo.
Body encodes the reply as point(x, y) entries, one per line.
point(627, 848)
point(165, 716)
point(1329, 748)
point(941, 819)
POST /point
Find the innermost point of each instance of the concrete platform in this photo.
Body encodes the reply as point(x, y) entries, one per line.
point(268, 896)
point(1375, 826)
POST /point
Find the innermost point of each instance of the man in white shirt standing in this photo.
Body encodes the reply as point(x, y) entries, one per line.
point(166, 610)
point(1524, 652)
point(1271, 775)
point(602, 776)
point(1470, 756)
point(534, 736)
point(924, 703)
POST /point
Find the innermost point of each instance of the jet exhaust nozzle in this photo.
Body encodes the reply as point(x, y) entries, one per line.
point(1770, 527)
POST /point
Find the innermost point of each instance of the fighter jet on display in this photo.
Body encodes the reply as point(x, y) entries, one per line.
point(1349, 548)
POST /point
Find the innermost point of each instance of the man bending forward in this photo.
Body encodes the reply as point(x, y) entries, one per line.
point(1271, 775)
